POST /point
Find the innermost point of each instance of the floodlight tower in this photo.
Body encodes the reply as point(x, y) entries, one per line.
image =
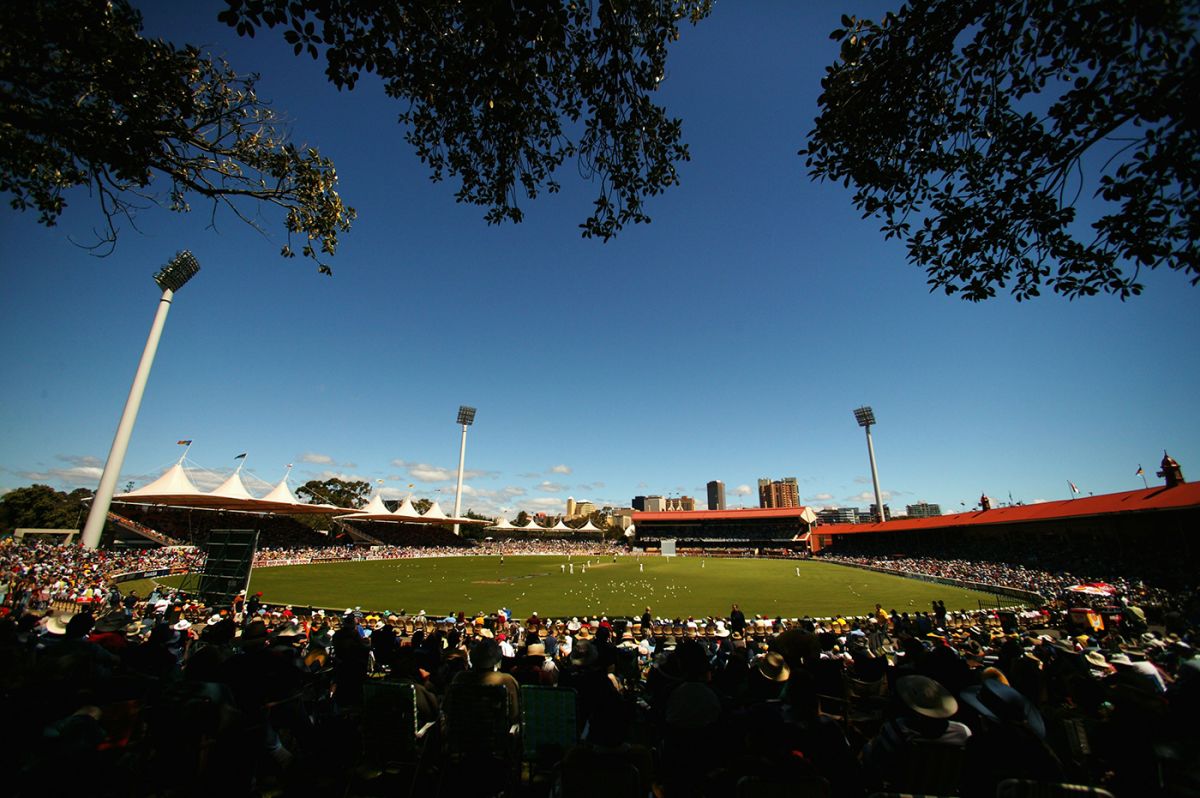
point(170, 278)
point(466, 417)
point(865, 417)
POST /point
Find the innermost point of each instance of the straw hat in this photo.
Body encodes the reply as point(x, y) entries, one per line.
point(773, 666)
point(926, 697)
point(57, 624)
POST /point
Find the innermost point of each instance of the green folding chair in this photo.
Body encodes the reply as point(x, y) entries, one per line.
point(548, 727)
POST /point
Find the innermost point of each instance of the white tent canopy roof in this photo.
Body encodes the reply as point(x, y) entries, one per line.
point(434, 511)
point(406, 513)
point(174, 482)
point(282, 494)
point(406, 509)
point(175, 489)
point(233, 488)
point(376, 506)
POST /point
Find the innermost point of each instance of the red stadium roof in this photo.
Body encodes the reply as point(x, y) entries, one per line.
point(720, 515)
point(1134, 501)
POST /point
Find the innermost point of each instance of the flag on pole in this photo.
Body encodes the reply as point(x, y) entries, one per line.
point(1139, 472)
point(243, 455)
point(184, 443)
point(1073, 488)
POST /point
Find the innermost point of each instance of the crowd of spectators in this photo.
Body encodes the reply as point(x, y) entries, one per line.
point(165, 695)
point(34, 574)
point(303, 555)
point(192, 527)
point(1049, 572)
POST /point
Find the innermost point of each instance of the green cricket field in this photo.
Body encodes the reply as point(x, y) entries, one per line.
point(553, 585)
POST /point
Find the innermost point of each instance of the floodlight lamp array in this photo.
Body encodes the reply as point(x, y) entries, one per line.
point(178, 271)
point(466, 415)
point(865, 416)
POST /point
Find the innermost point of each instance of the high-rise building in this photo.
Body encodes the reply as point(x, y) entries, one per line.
point(923, 510)
point(655, 504)
point(639, 503)
point(779, 493)
point(677, 503)
point(716, 495)
point(887, 512)
point(838, 515)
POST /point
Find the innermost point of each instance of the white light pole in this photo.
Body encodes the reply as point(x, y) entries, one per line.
point(866, 417)
point(466, 417)
point(170, 279)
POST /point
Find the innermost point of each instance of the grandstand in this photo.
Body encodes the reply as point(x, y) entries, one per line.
point(779, 528)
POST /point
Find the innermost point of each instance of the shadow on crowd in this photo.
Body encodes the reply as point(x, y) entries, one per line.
point(278, 704)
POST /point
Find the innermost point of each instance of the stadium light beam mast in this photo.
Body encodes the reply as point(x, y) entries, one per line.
point(865, 417)
point(170, 278)
point(466, 417)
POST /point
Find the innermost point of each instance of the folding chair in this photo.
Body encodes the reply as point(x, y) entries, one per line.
point(393, 739)
point(548, 726)
point(478, 741)
point(1026, 788)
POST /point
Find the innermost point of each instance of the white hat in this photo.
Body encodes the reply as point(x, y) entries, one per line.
point(182, 625)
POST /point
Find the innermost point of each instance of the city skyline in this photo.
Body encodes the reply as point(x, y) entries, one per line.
point(650, 364)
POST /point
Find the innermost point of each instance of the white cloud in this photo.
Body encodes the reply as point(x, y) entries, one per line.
point(425, 472)
point(861, 480)
point(81, 460)
point(83, 471)
point(543, 503)
point(742, 490)
point(345, 477)
point(560, 469)
point(1039, 501)
point(821, 497)
point(75, 477)
point(431, 473)
point(550, 487)
point(869, 497)
point(314, 457)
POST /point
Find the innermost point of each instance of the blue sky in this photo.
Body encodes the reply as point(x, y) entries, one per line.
point(729, 339)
